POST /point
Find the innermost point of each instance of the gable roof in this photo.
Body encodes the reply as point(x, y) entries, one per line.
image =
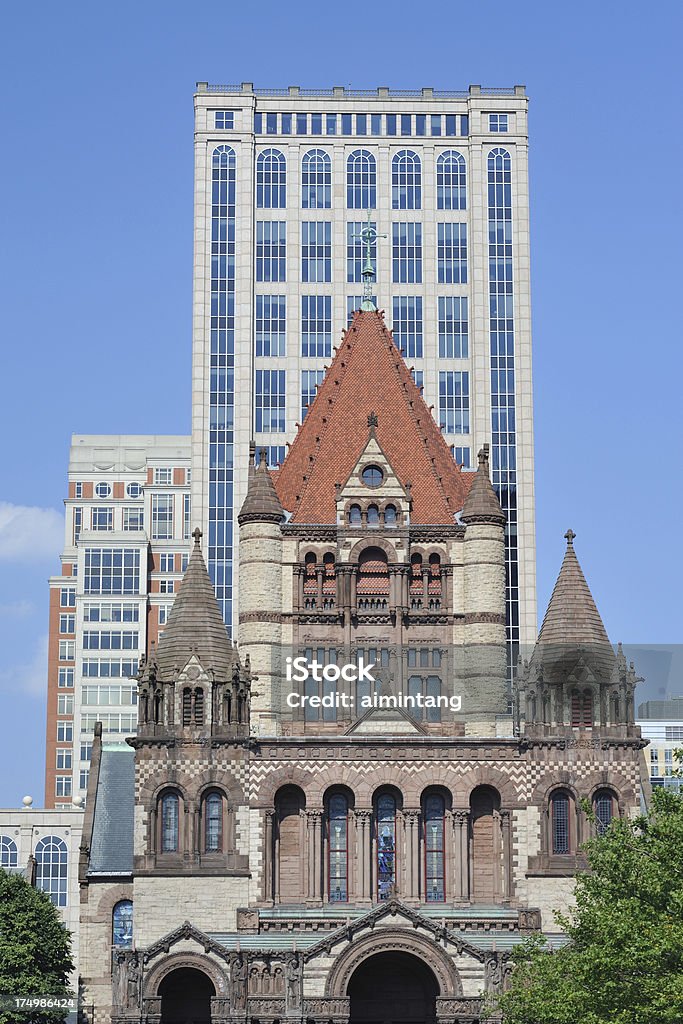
point(195, 627)
point(368, 375)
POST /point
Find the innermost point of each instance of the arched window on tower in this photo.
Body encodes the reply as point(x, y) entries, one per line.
point(355, 517)
point(417, 594)
point(390, 517)
point(212, 814)
point(361, 180)
point(604, 809)
point(560, 824)
point(385, 838)
point(316, 180)
point(372, 585)
point(169, 818)
point(451, 188)
point(122, 925)
point(434, 583)
point(373, 515)
point(271, 180)
point(338, 848)
point(310, 580)
point(406, 181)
point(52, 868)
point(434, 848)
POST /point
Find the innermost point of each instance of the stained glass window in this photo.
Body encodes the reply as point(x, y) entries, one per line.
point(169, 823)
point(560, 822)
point(338, 848)
point(386, 846)
point(122, 925)
point(213, 823)
point(604, 809)
point(434, 849)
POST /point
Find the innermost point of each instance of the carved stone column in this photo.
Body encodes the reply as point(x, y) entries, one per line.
point(268, 851)
point(364, 861)
point(461, 874)
point(505, 824)
point(319, 589)
point(412, 854)
point(313, 835)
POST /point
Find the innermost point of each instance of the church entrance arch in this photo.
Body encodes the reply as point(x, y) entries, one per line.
point(394, 987)
point(186, 997)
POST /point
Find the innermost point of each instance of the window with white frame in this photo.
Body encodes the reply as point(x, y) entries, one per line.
point(102, 490)
point(271, 180)
point(106, 696)
point(271, 250)
point(452, 253)
point(65, 677)
point(498, 122)
point(454, 402)
point(65, 732)
point(52, 857)
point(162, 516)
point(187, 516)
point(116, 611)
point(163, 613)
point(453, 327)
point(316, 180)
point(111, 640)
point(270, 401)
point(102, 518)
point(271, 325)
point(461, 455)
point(223, 119)
point(451, 181)
point(316, 326)
point(65, 704)
point(163, 475)
point(407, 253)
point(167, 561)
point(109, 668)
point(67, 650)
point(407, 325)
point(67, 597)
point(77, 523)
point(112, 571)
point(63, 759)
point(166, 586)
point(133, 518)
point(361, 180)
point(406, 181)
point(316, 251)
point(67, 623)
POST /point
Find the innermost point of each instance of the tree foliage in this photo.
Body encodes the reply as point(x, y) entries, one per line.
point(35, 948)
point(623, 963)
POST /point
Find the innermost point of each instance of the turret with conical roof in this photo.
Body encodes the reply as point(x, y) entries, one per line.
point(261, 580)
point(574, 679)
point(193, 682)
point(484, 589)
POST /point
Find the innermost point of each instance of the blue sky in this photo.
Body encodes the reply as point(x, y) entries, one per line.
point(96, 261)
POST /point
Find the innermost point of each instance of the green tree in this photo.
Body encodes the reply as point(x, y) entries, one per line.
point(35, 949)
point(623, 963)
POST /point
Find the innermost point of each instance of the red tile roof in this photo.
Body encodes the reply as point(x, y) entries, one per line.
point(368, 375)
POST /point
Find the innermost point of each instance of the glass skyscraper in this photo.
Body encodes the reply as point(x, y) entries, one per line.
point(284, 181)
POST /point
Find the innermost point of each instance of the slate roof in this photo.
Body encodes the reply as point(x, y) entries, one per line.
point(261, 503)
point(481, 504)
point(111, 847)
point(368, 375)
point(572, 618)
point(195, 626)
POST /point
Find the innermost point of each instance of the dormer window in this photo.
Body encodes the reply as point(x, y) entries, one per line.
point(372, 476)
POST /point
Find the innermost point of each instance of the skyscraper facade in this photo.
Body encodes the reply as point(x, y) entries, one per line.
point(285, 181)
point(127, 529)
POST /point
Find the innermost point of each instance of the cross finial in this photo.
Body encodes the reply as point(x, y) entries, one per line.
point(263, 456)
point(569, 536)
point(483, 457)
point(372, 420)
point(197, 534)
point(368, 235)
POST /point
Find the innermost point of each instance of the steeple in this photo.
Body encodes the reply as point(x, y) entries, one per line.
point(261, 503)
point(195, 627)
point(481, 504)
point(572, 618)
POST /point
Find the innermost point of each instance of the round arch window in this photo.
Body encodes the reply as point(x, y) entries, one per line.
point(372, 476)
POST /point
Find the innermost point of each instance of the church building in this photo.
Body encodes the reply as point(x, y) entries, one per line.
point(364, 841)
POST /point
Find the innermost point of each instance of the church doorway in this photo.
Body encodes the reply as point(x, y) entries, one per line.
point(393, 988)
point(186, 997)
